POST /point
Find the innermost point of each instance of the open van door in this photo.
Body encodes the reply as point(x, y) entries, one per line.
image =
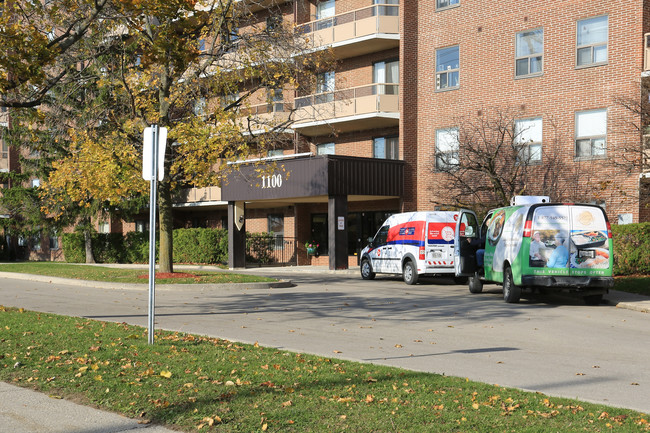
point(467, 230)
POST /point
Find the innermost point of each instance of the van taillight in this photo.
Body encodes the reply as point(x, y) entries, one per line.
point(528, 228)
point(609, 230)
point(421, 253)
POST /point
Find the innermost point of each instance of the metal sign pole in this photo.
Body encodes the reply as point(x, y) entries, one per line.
point(152, 232)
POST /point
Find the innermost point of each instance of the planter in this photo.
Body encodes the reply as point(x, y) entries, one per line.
point(311, 251)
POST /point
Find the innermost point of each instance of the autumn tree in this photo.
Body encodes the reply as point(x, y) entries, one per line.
point(489, 158)
point(190, 66)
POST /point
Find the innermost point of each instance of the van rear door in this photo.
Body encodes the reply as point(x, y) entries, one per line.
point(591, 242)
point(467, 230)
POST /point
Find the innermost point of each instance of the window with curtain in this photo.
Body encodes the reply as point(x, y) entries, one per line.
point(447, 68)
point(325, 149)
point(529, 52)
point(592, 41)
point(528, 135)
point(447, 149)
point(591, 133)
point(386, 72)
point(325, 11)
point(386, 147)
point(325, 82)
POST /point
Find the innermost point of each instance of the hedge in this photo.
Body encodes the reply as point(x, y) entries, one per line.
point(631, 249)
point(209, 246)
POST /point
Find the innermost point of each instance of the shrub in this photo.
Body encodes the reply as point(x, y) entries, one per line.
point(136, 247)
point(200, 246)
point(259, 247)
point(631, 248)
point(74, 249)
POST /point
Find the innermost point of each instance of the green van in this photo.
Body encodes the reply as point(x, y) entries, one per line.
point(534, 244)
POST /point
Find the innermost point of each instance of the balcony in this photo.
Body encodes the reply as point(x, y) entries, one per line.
point(207, 196)
point(362, 31)
point(264, 117)
point(355, 109)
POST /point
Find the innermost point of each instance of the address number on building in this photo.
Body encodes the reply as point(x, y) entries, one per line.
point(273, 181)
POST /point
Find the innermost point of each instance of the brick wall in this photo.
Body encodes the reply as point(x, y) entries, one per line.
point(485, 33)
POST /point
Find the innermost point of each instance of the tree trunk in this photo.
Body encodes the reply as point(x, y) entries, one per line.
point(88, 242)
point(166, 227)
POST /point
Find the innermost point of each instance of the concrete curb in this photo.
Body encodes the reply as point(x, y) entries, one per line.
point(144, 286)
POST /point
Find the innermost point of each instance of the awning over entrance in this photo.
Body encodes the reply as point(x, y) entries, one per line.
point(334, 178)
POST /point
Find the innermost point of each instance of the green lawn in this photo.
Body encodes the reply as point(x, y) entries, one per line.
point(196, 383)
point(124, 275)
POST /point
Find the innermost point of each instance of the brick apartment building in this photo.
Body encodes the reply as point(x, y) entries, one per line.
point(365, 143)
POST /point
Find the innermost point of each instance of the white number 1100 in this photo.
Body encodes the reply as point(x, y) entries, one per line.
point(273, 181)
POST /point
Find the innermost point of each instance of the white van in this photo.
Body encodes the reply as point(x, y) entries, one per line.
point(535, 244)
point(412, 244)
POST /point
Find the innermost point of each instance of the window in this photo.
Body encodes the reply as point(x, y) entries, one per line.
point(275, 152)
point(36, 183)
point(528, 52)
point(103, 227)
point(386, 147)
point(385, 2)
point(591, 133)
point(54, 242)
point(324, 10)
point(201, 45)
point(141, 226)
point(443, 4)
point(528, 135)
point(276, 227)
point(447, 68)
point(199, 106)
point(325, 149)
point(446, 149)
point(592, 41)
point(324, 87)
point(276, 100)
point(386, 72)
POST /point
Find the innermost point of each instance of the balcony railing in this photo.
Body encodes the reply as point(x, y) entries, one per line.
point(197, 195)
point(353, 106)
point(352, 25)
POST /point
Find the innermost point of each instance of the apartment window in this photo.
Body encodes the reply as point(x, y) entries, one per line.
point(446, 149)
point(592, 41)
point(276, 227)
point(275, 152)
point(5, 150)
point(528, 135)
point(443, 4)
point(324, 87)
point(199, 107)
point(591, 133)
point(36, 242)
point(276, 100)
point(325, 11)
point(201, 45)
point(103, 227)
point(54, 242)
point(386, 147)
point(36, 183)
point(385, 2)
point(141, 226)
point(325, 149)
point(528, 52)
point(386, 72)
point(447, 68)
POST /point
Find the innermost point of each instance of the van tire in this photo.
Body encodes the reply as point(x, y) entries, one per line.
point(410, 273)
point(366, 270)
point(475, 283)
point(511, 292)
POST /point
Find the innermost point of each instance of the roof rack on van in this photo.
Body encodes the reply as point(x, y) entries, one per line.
point(529, 199)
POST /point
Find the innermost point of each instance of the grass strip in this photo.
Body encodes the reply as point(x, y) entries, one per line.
point(124, 275)
point(197, 383)
point(637, 284)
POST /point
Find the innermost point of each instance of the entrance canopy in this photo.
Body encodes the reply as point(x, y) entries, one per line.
point(306, 178)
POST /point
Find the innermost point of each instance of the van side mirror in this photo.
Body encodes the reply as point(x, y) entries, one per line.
point(370, 241)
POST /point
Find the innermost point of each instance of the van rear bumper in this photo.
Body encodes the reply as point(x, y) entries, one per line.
point(567, 282)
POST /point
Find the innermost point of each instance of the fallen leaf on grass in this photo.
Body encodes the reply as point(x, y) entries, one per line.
point(166, 374)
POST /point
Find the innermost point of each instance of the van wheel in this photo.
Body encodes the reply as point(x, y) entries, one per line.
point(475, 283)
point(511, 292)
point(410, 273)
point(593, 299)
point(366, 270)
